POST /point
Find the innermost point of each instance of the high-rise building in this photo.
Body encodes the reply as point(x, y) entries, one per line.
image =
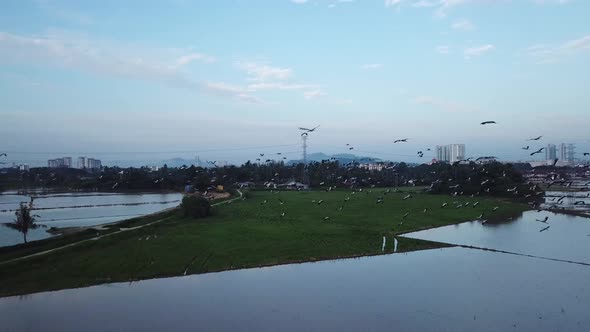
point(82, 162)
point(567, 153)
point(90, 163)
point(65, 162)
point(550, 152)
point(94, 163)
point(457, 152)
point(450, 153)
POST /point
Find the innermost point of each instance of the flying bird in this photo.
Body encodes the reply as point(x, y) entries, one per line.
point(538, 151)
point(535, 138)
point(544, 229)
point(3, 155)
point(526, 147)
point(488, 122)
point(543, 220)
point(309, 130)
point(403, 140)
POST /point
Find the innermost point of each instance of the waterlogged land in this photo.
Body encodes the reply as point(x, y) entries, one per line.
point(250, 233)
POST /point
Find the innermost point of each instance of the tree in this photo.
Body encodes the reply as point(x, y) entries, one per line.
point(24, 220)
point(195, 206)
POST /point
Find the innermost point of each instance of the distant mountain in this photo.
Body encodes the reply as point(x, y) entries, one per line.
point(342, 158)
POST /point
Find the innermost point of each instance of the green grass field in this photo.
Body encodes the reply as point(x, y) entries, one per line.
point(250, 233)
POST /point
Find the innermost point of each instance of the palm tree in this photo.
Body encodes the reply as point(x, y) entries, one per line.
point(24, 220)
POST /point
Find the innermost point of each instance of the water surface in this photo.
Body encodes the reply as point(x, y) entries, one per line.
point(452, 289)
point(568, 237)
point(79, 209)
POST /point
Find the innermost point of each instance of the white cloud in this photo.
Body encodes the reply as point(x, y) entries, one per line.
point(477, 51)
point(553, 53)
point(280, 86)
point(260, 72)
point(313, 94)
point(186, 59)
point(371, 66)
point(463, 25)
point(392, 3)
point(63, 50)
point(424, 4)
point(263, 77)
point(552, 2)
point(443, 49)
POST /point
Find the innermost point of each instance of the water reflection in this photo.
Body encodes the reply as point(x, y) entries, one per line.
point(568, 200)
point(79, 209)
point(566, 239)
point(453, 289)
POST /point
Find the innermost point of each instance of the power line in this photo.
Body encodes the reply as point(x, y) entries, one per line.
point(153, 152)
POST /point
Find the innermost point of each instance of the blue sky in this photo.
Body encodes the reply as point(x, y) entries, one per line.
point(179, 75)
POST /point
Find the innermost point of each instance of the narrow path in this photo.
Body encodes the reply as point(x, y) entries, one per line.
point(106, 235)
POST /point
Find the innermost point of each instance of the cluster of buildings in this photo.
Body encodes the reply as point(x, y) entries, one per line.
point(450, 153)
point(81, 163)
point(567, 153)
point(373, 166)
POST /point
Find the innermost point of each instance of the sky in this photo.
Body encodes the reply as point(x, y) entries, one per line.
point(227, 80)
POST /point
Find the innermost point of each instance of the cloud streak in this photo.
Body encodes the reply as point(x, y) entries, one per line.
point(107, 60)
point(476, 51)
point(545, 53)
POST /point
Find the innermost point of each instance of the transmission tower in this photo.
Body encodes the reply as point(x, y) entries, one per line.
point(304, 140)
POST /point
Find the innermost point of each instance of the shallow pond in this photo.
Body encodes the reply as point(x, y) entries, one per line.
point(452, 289)
point(567, 238)
point(79, 209)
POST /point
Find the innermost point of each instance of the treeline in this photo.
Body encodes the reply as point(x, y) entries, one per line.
point(467, 179)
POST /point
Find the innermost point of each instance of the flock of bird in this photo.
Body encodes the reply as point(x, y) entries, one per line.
point(381, 199)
